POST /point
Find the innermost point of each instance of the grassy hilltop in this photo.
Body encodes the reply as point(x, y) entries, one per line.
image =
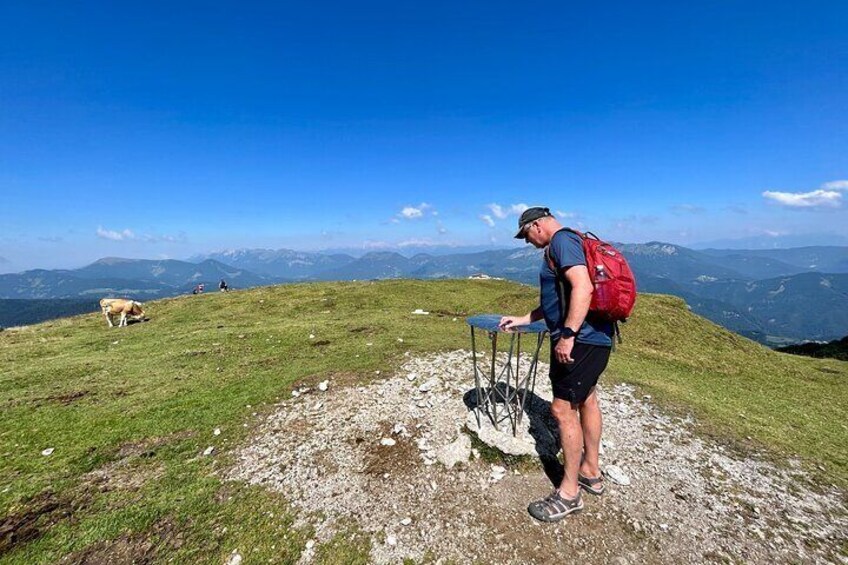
point(142, 402)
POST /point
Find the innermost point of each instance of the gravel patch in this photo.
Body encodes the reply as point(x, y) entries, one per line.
point(673, 497)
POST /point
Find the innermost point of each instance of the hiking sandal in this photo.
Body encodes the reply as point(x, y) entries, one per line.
point(590, 484)
point(554, 507)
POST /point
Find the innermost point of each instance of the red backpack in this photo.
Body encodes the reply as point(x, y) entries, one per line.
point(615, 286)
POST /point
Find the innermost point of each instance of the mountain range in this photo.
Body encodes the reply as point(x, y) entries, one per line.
point(775, 296)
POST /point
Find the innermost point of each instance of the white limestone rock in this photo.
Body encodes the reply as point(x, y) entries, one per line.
point(457, 452)
point(617, 475)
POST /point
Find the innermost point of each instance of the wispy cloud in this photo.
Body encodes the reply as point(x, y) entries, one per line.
point(681, 209)
point(50, 239)
point(736, 209)
point(487, 219)
point(828, 196)
point(129, 235)
point(502, 212)
point(415, 212)
point(565, 215)
point(113, 235)
point(375, 244)
point(836, 185)
point(4, 260)
point(422, 242)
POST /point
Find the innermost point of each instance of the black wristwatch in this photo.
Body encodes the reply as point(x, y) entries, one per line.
point(568, 332)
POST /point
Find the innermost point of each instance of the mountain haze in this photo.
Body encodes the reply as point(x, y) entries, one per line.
point(772, 296)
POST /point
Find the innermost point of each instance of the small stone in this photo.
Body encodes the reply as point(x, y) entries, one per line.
point(323, 386)
point(400, 340)
point(116, 342)
point(428, 386)
point(391, 540)
point(497, 473)
point(411, 377)
point(310, 544)
point(369, 344)
point(295, 393)
point(234, 559)
point(387, 441)
point(406, 521)
point(664, 527)
point(311, 336)
point(420, 312)
point(208, 450)
point(216, 432)
point(48, 451)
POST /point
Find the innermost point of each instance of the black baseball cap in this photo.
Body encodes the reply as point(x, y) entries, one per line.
point(529, 216)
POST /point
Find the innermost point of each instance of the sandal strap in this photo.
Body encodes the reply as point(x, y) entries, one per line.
point(560, 504)
point(591, 481)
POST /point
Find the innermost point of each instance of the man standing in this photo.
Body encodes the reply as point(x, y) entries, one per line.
point(580, 350)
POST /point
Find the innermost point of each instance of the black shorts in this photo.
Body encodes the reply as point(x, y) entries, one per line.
point(573, 382)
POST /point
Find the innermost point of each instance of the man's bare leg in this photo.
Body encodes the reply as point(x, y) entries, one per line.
point(591, 423)
point(571, 439)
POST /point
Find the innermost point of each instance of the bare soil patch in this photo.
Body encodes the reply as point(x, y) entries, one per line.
point(129, 549)
point(37, 515)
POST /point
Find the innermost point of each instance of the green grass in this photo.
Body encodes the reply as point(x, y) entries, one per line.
point(149, 403)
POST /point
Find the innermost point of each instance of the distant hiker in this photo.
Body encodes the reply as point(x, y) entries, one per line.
point(580, 350)
point(198, 289)
point(222, 286)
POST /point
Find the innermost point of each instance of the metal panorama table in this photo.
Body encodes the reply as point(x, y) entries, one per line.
point(502, 391)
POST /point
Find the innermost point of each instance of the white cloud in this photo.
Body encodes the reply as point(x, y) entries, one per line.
point(836, 185)
point(566, 215)
point(487, 219)
point(129, 235)
point(411, 212)
point(829, 195)
point(502, 212)
point(414, 212)
point(113, 235)
point(815, 199)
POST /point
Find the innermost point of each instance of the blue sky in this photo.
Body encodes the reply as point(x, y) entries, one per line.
point(169, 129)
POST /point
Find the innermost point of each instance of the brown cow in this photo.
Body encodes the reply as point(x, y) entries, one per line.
point(126, 308)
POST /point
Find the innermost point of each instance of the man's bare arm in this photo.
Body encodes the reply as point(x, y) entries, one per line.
point(581, 296)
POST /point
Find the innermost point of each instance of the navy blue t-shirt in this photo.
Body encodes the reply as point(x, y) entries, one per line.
point(566, 250)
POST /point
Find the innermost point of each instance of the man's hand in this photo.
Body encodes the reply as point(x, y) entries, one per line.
point(563, 348)
point(509, 322)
